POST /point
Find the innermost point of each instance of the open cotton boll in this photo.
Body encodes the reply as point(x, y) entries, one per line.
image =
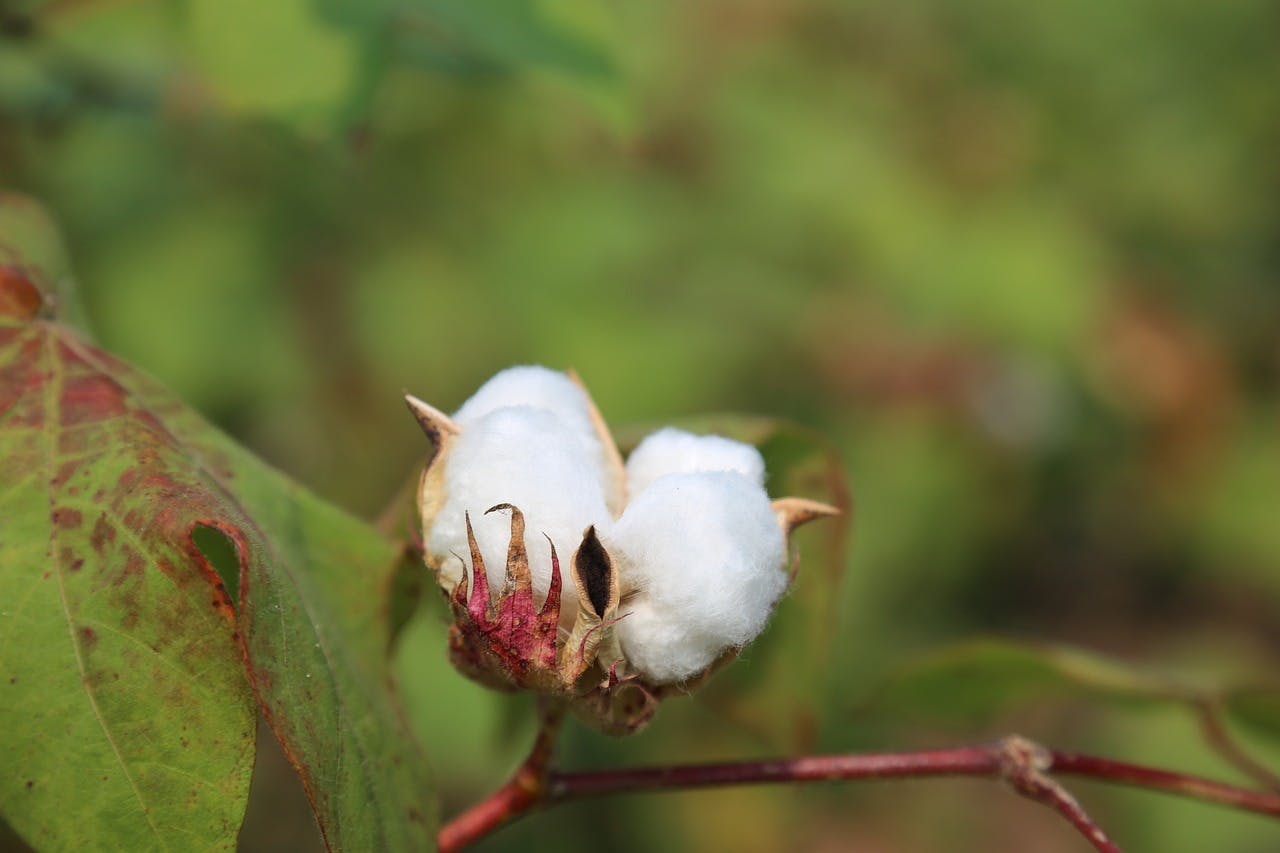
point(705, 553)
point(529, 458)
point(535, 386)
point(675, 451)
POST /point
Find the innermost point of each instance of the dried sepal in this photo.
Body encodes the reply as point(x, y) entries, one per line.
point(616, 469)
point(441, 430)
point(506, 639)
point(436, 424)
point(618, 705)
point(596, 581)
point(795, 512)
point(502, 640)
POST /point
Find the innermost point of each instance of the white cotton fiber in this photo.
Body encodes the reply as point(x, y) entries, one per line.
point(535, 386)
point(702, 556)
point(661, 646)
point(674, 451)
point(530, 458)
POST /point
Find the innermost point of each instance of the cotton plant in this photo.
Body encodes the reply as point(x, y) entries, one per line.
point(675, 559)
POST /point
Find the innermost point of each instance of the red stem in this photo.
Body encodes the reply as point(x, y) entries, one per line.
point(1023, 765)
point(962, 761)
point(502, 806)
point(1182, 784)
point(1020, 763)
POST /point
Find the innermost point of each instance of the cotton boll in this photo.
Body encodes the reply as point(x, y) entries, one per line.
point(674, 451)
point(535, 386)
point(705, 554)
point(529, 458)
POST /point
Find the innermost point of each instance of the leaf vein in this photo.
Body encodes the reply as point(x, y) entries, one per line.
point(52, 389)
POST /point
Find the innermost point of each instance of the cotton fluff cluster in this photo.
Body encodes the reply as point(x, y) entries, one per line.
point(702, 554)
point(674, 451)
point(698, 550)
point(539, 388)
point(526, 439)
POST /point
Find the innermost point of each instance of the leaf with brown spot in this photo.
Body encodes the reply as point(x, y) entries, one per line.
point(129, 681)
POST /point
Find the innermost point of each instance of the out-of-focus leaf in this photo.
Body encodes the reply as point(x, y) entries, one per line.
point(280, 59)
point(1235, 525)
point(1256, 707)
point(31, 244)
point(218, 252)
point(26, 85)
point(123, 52)
point(30, 240)
point(121, 656)
point(508, 35)
point(979, 679)
point(19, 9)
point(975, 681)
point(516, 33)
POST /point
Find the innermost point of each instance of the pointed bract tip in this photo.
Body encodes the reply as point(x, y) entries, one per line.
point(794, 512)
point(617, 469)
point(435, 423)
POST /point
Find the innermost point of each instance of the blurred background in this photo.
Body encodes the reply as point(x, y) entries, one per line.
point(1014, 267)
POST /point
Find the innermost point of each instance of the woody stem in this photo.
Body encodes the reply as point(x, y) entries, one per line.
point(1023, 765)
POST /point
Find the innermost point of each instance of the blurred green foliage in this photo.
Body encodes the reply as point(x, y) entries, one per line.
point(1017, 262)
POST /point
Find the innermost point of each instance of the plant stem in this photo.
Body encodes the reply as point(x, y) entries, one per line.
point(1024, 765)
point(1169, 781)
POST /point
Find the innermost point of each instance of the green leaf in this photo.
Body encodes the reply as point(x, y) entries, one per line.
point(516, 33)
point(18, 8)
point(976, 680)
point(122, 683)
point(122, 659)
point(279, 59)
point(42, 256)
point(30, 239)
point(27, 86)
point(315, 624)
point(460, 35)
point(1256, 707)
